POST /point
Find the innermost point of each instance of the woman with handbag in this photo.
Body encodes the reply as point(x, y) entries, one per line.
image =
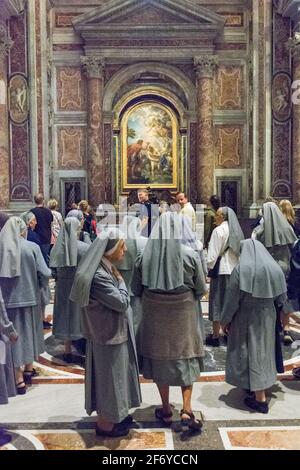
point(222, 258)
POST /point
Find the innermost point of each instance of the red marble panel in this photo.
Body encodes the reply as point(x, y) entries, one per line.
point(192, 183)
point(281, 34)
point(18, 52)
point(233, 20)
point(229, 146)
point(229, 88)
point(107, 148)
point(64, 20)
point(20, 184)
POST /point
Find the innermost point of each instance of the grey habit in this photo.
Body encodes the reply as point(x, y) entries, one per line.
point(64, 258)
point(135, 243)
point(256, 285)
point(112, 379)
point(23, 272)
point(219, 284)
point(7, 376)
point(277, 235)
point(170, 279)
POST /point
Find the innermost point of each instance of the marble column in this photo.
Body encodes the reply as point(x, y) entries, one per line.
point(5, 44)
point(94, 70)
point(295, 48)
point(205, 66)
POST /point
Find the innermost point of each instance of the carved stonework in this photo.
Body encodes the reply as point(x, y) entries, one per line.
point(230, 88)
point(5, 42)
point(205, 65)
point(281, 96)
point(149, 15)
point(233, 20)
point(229, 146)
point(18, 99)
point(71, 89)
point(192, 183)
point(71, 147)
point(93, 66)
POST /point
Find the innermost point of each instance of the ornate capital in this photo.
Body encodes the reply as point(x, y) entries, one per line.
point(93, 66)
point(205, 65)
point(5, 41)
point(293, 45)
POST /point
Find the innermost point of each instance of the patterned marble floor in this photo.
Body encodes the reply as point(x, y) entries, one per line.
point(51, 415)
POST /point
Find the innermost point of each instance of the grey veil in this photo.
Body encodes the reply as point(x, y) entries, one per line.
point(10, 247)
point(162, 265)
point(64, 253)
point(260, 275)
point(276, 229)
point(235, 232)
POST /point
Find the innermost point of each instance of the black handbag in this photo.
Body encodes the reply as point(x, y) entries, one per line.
point(214, 272)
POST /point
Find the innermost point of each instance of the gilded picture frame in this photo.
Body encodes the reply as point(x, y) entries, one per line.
point(149, 133)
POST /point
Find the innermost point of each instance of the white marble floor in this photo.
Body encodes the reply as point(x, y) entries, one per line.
point(216, 400)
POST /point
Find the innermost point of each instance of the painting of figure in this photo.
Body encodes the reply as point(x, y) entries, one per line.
point(149, 155)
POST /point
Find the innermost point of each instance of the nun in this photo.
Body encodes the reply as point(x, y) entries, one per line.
point(64, 258)
point(111, 381)
point(83, 236)
point(22, 272)
point(222, 258)
point(170, 279)
point(278, 236)
point(255, 292)
point(135, 243)
point(31, 222)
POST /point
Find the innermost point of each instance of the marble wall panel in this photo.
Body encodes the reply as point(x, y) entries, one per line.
point(71, 147)
point(193, 163)
point(229, 88)
point(229, 146)
point(71, 89)
point(20, 180)
point(18, 52)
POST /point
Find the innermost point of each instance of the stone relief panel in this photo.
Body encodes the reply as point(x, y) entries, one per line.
point(71, 147)
point(71, 89)
point(229, 88)
point(229, 146)
point(281, 97)
point(20, 163)
point(18, 99)
point(149, 14)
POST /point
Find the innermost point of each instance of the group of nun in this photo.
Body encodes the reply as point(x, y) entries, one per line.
point(137, 302)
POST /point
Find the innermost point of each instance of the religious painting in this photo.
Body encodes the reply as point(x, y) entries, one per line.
point(149, 146)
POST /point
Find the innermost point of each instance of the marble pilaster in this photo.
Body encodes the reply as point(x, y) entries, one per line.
point(94, 69)
point(294, 45)
point(205, 66)
point(5, 44)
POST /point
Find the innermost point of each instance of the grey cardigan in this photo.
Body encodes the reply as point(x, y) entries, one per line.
point(104, 320)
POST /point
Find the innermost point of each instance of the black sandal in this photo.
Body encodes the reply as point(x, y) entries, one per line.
point(28, 374)
point(21, 390)
point(193, 423)
point(161, 416)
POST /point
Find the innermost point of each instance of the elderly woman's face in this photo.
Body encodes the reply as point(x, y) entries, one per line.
point(219, 218)
point(119, 254)
point(32, 223)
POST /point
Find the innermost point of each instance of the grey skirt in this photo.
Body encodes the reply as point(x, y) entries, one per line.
point(183, 372)
point(7, 377)
point(217, 292)
point(29, 326)
point(111, 382)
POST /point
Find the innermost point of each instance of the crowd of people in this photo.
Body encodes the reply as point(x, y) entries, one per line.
point(129, 298)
